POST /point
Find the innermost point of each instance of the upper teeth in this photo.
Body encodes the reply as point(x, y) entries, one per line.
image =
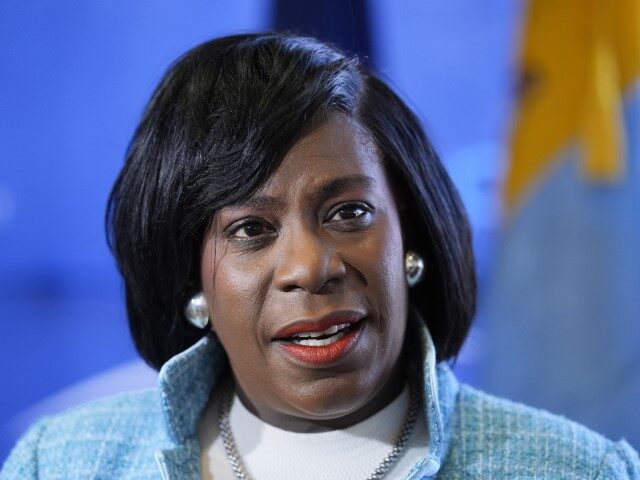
point(329, 331)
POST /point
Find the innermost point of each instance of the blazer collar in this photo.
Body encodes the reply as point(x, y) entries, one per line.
point(440, 392)
point(185, 383)
point(187, 380)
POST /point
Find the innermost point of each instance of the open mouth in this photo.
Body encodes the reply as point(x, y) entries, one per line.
point(321, 339)
point(323, 348)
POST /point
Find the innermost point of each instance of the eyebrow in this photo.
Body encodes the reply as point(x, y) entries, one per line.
point(322, 193)
point(261, 202)
point(339, 185)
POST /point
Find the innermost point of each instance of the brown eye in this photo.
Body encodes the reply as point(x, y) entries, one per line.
point(351, 211)
point(249, 228)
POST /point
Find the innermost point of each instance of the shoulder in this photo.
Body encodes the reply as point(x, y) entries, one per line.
point(86, 438)
point(124, 417)
point(127, 411)
point(494, 436)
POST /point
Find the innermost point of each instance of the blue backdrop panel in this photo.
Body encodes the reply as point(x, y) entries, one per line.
point(344, 23)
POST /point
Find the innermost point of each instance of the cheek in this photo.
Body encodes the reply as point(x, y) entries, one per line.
point(234, 288)
point(388, 269)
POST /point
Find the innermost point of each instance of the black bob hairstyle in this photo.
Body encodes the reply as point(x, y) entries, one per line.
point(216, 128)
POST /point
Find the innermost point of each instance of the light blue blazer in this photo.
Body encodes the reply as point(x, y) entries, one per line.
point(154, 434)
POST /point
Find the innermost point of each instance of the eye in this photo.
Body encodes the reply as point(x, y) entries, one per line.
point(349, 212)
point(249, 228)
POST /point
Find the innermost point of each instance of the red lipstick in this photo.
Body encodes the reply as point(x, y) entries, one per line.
point(321, 355)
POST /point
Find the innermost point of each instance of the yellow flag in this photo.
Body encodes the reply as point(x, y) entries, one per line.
point(579, 57)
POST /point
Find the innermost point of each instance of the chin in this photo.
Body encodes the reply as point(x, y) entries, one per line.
point(331, 397)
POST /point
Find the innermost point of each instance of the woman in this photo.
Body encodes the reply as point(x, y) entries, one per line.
point(298, 266)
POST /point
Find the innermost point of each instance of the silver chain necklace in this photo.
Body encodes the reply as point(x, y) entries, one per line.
point(398, 448)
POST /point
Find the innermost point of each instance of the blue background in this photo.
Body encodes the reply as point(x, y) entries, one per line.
point(75, 77)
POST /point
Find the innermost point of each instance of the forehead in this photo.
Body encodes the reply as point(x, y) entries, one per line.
point(337, 148)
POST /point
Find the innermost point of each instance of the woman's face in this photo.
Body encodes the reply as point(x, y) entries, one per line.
point(318, 248)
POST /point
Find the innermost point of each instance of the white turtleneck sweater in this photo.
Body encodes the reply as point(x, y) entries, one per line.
point(270, 453)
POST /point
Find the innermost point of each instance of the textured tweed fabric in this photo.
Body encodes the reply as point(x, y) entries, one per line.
point(153, 434)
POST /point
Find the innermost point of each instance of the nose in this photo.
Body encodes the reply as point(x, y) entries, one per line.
point(309, 262)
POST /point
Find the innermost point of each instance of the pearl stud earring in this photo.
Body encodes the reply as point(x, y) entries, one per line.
point(414, 267)
point(196, 311)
